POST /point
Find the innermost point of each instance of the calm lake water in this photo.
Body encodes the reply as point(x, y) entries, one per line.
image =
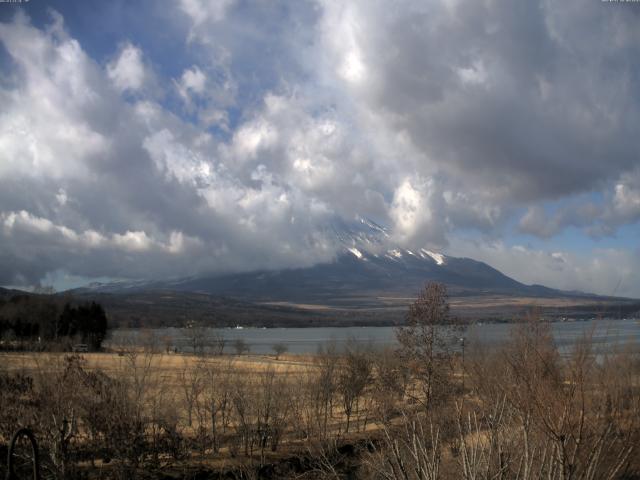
point(606, 334)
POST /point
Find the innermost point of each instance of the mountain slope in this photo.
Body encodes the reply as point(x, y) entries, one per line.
point(367, 266)
point(370, 282)
point(397, 272)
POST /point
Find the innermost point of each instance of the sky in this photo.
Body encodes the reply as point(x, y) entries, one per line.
point(148, 140)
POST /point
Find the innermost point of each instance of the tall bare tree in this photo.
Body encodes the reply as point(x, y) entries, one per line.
point(425, 342)
point(354, 376)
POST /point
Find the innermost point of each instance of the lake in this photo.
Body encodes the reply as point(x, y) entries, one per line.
point(606, 334)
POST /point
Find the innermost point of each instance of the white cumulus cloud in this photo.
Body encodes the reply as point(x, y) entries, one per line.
point(127, 70)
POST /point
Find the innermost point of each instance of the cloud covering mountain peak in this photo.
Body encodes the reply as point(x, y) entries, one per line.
point(232, 141)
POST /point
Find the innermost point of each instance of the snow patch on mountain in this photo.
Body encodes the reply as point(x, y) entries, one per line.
point(374, 226)
point(363, 238)
point(437, 257)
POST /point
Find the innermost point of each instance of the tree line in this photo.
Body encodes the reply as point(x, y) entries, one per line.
point(48, 321)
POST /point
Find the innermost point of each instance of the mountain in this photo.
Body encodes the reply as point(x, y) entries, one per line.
point(369, 282)
point(358, 273)
point(367, 267)
point(6, 293)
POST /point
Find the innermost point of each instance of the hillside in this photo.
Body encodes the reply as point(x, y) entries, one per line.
point(371, 281)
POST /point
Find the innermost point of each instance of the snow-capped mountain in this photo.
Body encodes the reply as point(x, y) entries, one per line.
point(369, 282)
point(368, 265)
point(362, 233)
point(364, 238)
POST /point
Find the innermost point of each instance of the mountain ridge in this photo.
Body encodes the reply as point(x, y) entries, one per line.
point(370, 281)
point(368, 264)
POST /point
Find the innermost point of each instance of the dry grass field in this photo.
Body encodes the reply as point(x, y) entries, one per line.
point(519, 410)
point(220, 411)
point(163, 365)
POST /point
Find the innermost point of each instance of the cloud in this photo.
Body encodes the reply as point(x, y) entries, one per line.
point(127, 71)
point(36, 243)
point(527, 102)
point(100, 185)
point(193, 80)
point(621, 206)
point(625, 204)
point(437, 119)
point(608, 271)
point(414, 213)
point(204, 13)
point(536, 222)
point(38, 145)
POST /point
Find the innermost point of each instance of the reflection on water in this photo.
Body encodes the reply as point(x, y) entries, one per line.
point(606, 334)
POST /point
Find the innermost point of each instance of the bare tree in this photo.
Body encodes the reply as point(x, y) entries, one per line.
point(354, 376)
point(241, 346)
point(272, 401)
point(391, 378)
point(425, 344)
point(218, 342)
point(196, 334)
point(411, 451)
point(279, 349)
point(218, 399)
point(538, 415)
point(128, 418)
point(244, 404)
point(323, 388)
point(191, 380)
point(57, 398)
